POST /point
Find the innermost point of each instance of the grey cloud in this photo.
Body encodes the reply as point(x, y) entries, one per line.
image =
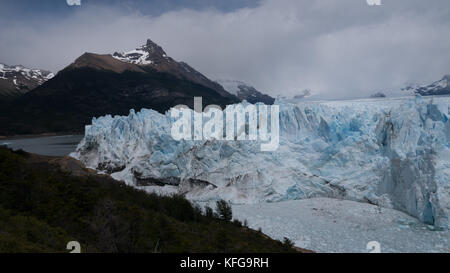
point(337, 48)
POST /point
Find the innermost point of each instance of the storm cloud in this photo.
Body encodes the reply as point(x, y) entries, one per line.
point(337, 48)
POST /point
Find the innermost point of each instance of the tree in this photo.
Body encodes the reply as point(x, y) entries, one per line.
point(287, 243)
point(224, 210)
point(209, 212)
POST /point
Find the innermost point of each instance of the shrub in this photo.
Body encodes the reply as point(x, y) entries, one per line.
point(224, 210)
point(42, 208)
point(237, 223)
point(287, 243)
point(209, 212)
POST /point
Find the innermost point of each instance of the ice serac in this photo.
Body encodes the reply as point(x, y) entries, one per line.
point(391, 152)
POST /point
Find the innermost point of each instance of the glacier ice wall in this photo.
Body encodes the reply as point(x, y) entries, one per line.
point(394, 153)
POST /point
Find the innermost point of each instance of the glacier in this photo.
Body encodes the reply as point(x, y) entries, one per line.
point(328, 225)
point(394, 153)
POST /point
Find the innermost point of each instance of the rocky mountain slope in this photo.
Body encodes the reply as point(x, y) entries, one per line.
point(99, 84)
point(441, 87)
point(245, 92)
point(152, 55)
point(17, 80)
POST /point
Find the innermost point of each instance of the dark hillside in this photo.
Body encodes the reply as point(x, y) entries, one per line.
point(46, 202)
point(69, 101)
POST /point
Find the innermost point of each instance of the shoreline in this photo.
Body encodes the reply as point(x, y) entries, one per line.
point(16, 137)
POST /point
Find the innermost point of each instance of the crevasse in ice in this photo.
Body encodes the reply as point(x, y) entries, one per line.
point(390, 152)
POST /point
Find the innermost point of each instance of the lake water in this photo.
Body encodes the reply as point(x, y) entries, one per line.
point(52, 145)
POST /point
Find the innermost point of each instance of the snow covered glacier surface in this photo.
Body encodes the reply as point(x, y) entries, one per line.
point(394, 153)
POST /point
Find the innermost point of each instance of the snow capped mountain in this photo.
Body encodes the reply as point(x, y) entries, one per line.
point(152, 55)
point(245, 92)
point(40, 76)
point(147, 54)
point(441, 87)
point(395, 154)
point(99, 84)
point(16, 80)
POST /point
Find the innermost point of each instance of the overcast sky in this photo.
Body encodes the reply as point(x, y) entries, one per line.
point(337, 48)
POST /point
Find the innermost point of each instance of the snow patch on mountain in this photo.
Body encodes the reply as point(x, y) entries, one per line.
point(148, 54)
point(441, 87)
point(137, 56)
point(232, 86)
point(394, 153)
point(152, 55)
point(37, 75)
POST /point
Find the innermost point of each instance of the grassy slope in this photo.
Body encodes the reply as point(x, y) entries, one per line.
point(42, 207)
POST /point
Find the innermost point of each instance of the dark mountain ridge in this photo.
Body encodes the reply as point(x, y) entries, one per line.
point(95, 85)
point(152, 55)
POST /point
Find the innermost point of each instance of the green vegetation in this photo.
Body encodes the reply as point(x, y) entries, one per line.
point(288, 244)
point(42, 208)
point(224, 210)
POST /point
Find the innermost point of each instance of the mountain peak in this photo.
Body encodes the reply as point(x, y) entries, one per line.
point(154, 49)
point(152, 55)
point(148, 54)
